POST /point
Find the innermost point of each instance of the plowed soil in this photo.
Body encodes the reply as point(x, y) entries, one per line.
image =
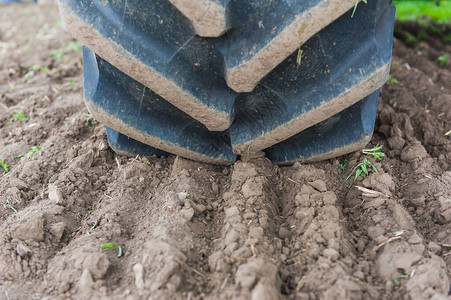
point(189, 230)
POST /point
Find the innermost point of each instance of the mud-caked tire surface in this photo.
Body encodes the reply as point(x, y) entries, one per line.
point(188, 230)
point(211, 99)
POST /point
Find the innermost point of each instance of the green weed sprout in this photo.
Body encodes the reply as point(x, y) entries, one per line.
point(299, 57)
point(393, 80)
point(10, 206)
point(227, 184)
point(363, 167)
point(355, 7)
point(18, 116)
point(29, 75)
point(396, 281)
point(90, 121)
point(74, 47)
point(423, 261)
point(109, 246)
point(359, 168)
point(4, 165)
point(342, 166)
point(33, 69)
point(448, 133)
point(442, 60)
point(411, 38)
point(375, 151)
point(30, 152)
point(57, 54)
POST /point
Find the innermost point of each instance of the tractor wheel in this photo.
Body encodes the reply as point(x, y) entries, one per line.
point(212, 79)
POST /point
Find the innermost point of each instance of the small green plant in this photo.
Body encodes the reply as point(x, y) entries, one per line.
point(4, 165)
point(359, 168)
point(375, 151)
point(398, 233)
point(363, 167)
point(427, 220)
point(29, 75)
point(57, 54)
point(411, 38)
point(355, 6)
point(74, 46)
point(396, 281)
point(442, 89)
point(32, 71)
point(448, 133)
point(18, 116)
point(34, 67)
point(442, 60)
point(109, 246)
point(91, 212)
point(30, 152)
point(423, 261)
point(44, 33)
point(90, 121)
point(433, 28)
point(342, 165)
point(8, 205)
point(446, 39)
point(89, 118)
point(227, 184)
point(392, 80)
point(299, 57)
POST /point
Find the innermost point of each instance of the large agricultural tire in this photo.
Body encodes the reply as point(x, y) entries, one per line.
point(213, 79)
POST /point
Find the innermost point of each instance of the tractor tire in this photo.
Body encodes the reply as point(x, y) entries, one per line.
point(212, 79)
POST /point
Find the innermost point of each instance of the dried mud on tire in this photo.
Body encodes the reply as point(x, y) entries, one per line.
point(189, 230)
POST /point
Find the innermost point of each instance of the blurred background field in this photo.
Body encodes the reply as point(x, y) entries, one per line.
point(410, 10)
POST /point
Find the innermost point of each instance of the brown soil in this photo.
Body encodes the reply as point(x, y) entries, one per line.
point(190, 230)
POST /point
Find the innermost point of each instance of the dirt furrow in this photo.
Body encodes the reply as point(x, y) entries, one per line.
point(424, 109)
point(387, 239)
point(245, 258)
point(428, 200)
point(322, 262)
